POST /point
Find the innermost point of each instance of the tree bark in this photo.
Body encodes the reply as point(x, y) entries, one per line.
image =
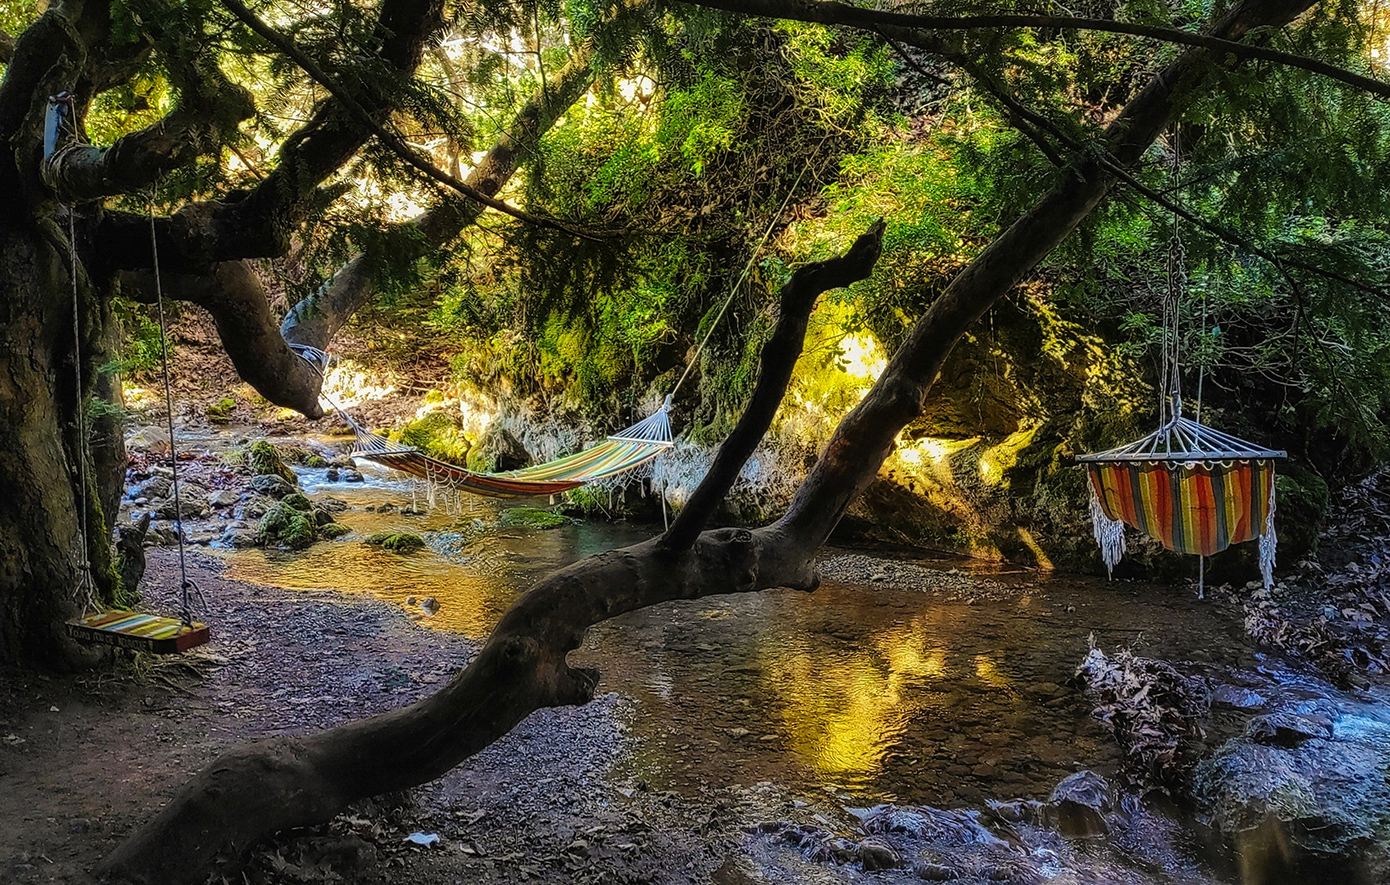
point(45, 458)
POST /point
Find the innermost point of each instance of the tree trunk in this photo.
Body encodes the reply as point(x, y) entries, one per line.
point(42, 468)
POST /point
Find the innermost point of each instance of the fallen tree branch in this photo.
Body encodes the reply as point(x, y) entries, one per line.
point(236, 299)
point(260, 788)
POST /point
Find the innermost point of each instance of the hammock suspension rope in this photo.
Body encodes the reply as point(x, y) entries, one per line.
point(621, 452)
point(1189, 486)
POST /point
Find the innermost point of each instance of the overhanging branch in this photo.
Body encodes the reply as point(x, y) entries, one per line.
point(924, 31)
point(81, 172)
point(390, 140)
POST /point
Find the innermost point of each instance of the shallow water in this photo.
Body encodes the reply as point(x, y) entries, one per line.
point(944, 686)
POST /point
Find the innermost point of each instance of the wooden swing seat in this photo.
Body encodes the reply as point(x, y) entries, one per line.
point(139, 631)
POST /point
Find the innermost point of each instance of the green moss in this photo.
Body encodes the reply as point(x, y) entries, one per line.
point(333, 530)
point(588, 500)
point(438, 434)
point(398, 542)
point(297, 501)
point(264, 460)
point(220, 412)
point(531, 518)
point(285, 526)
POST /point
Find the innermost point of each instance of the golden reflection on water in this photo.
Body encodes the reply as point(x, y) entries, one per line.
point(468, 603)
point(845, 708)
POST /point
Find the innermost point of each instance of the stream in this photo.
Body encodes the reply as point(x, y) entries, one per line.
point(940, 682)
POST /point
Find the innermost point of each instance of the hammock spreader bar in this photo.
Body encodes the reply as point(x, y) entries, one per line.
point(619, 453)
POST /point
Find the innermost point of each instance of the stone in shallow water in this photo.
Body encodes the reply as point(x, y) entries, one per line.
point(875, 854)
point(1314, 809)
point(1080, 802)
point(1285, 729)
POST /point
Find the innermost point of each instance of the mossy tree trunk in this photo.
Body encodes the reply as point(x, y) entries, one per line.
point(46, 458)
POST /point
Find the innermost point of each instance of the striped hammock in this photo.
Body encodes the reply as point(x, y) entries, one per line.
point(619, 453)
point(1189, 487)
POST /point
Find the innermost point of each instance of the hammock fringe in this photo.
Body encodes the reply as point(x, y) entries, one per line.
point(1268, 542)
point(1110, 533)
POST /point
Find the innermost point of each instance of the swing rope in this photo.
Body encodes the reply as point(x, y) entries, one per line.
point(186, 586)
point(126, 629)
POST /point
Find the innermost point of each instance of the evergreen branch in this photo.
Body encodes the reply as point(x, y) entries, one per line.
point(390, 140)
point(1018, 120)
point(917, 31)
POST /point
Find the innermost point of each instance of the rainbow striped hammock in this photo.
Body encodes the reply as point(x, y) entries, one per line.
point(620, 452)
point(1192, 488)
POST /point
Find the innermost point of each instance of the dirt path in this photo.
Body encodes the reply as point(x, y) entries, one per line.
point(84, 759)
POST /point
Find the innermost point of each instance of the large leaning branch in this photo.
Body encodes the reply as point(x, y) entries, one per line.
point(260, 788)
point(235, 297)
point(81, 172)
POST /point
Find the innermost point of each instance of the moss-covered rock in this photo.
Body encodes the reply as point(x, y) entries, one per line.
point(398, 542)
point(532, 518)
point(302, 456)
point(221, 411)
point(286, 526)
point(298, 501)
point(264, 460)
point(497, 450)
point(333, 530)
point(438, 434)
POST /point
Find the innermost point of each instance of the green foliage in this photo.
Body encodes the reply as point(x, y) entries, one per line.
point(438, 434)
point(396, 542)
point(141, 349)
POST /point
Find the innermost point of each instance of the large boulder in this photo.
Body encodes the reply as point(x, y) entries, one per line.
point(497, 450)
point(1304, 794)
